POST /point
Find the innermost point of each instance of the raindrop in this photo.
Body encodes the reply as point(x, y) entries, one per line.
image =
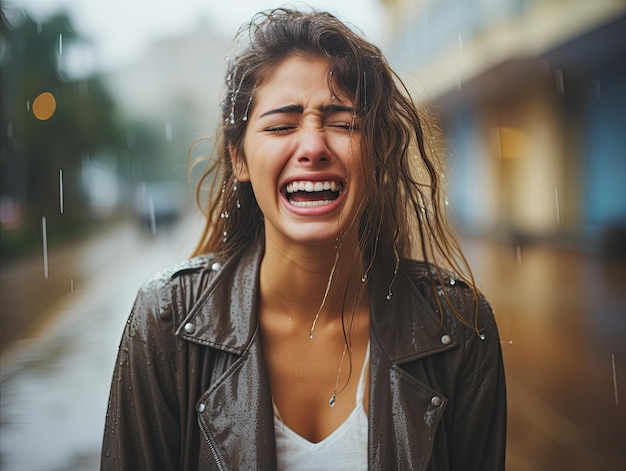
point(168, 131)
point(556, 203)
point(614, 380)
point(61, 191)
point(60, 44)
point(245, 115)
point(83, 88)
point(71, 285)
point(596, 88)
point(28, 105)
point(460, 39)
point(559, 82)
point(518, 254)
point(153, 227)
point(44, 231)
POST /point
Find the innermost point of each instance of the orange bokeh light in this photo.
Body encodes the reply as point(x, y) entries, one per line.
point(44, 106)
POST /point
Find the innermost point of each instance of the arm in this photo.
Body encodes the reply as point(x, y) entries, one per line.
point(478, 428)
point(142, 427)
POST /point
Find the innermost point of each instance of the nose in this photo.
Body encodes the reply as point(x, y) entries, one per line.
point(313, 149)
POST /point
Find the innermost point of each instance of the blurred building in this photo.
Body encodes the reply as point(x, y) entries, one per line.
point(177, 81)
point(531, 97)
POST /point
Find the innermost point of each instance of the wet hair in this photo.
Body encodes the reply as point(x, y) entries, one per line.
point(404, 205)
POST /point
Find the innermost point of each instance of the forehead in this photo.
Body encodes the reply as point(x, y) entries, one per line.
point(298, 79)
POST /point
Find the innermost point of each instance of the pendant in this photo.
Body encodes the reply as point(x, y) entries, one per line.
point(332, 400)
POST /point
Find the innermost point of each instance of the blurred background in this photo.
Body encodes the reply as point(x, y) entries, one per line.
point(100, 101)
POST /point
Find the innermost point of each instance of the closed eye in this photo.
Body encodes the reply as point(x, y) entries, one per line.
point(279, 129)
point(347, 126)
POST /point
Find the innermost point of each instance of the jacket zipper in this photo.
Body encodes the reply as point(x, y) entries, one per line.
point(209, 442)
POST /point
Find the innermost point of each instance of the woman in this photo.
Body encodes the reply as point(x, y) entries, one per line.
point(303, 334)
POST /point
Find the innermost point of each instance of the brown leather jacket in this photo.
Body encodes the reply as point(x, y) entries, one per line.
point(190, 388)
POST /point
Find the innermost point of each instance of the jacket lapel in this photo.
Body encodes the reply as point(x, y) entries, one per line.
point(404, 411)
point(235, 413)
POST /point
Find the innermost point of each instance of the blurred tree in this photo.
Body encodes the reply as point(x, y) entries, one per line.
point(41, 158)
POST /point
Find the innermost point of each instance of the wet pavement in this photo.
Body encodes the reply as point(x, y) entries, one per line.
point(55, 383)
point(562, 322)
point(562, 319)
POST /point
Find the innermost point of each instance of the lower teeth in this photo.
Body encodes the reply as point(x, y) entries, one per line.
point(310, 204)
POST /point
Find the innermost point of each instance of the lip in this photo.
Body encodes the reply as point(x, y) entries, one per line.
point(312, 211)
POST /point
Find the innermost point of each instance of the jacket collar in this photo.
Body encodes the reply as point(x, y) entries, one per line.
point(408, 326)
point(224, 315)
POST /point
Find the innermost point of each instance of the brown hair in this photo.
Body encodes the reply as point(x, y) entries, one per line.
point(404, 212)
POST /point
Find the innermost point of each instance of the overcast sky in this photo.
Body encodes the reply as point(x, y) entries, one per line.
point(121, 29)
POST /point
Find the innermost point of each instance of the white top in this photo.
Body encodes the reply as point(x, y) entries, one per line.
point(345, 448)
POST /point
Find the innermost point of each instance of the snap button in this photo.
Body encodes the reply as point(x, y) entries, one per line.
point(436, 401)
point(190, 328)
point(216, 266)
point(446, 339)
point(201, 407)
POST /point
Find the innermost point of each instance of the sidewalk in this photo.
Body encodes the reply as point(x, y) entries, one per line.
point(55, 385)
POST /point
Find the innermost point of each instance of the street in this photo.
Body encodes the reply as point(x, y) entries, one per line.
point(561, 315)
point(55, 385)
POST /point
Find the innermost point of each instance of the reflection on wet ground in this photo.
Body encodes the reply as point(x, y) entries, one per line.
point(562, 320)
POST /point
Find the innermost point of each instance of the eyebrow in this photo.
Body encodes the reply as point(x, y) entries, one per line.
point(325, 109)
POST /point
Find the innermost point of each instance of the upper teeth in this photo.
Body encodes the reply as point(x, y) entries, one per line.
point(310, 187)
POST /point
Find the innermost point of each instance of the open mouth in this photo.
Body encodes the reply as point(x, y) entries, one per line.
point(308, 194)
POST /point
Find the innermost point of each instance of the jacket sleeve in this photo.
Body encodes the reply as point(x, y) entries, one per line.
point(478, 427)
point(141, 430)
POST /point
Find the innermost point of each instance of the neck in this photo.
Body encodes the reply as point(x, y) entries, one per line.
point(295, 281)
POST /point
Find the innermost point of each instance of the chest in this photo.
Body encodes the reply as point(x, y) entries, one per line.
point(306, 373)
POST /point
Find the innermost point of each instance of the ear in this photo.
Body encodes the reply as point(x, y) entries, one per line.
point(240, 169)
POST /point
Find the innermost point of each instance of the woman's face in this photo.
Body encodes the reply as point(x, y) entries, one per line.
point(302, 155)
